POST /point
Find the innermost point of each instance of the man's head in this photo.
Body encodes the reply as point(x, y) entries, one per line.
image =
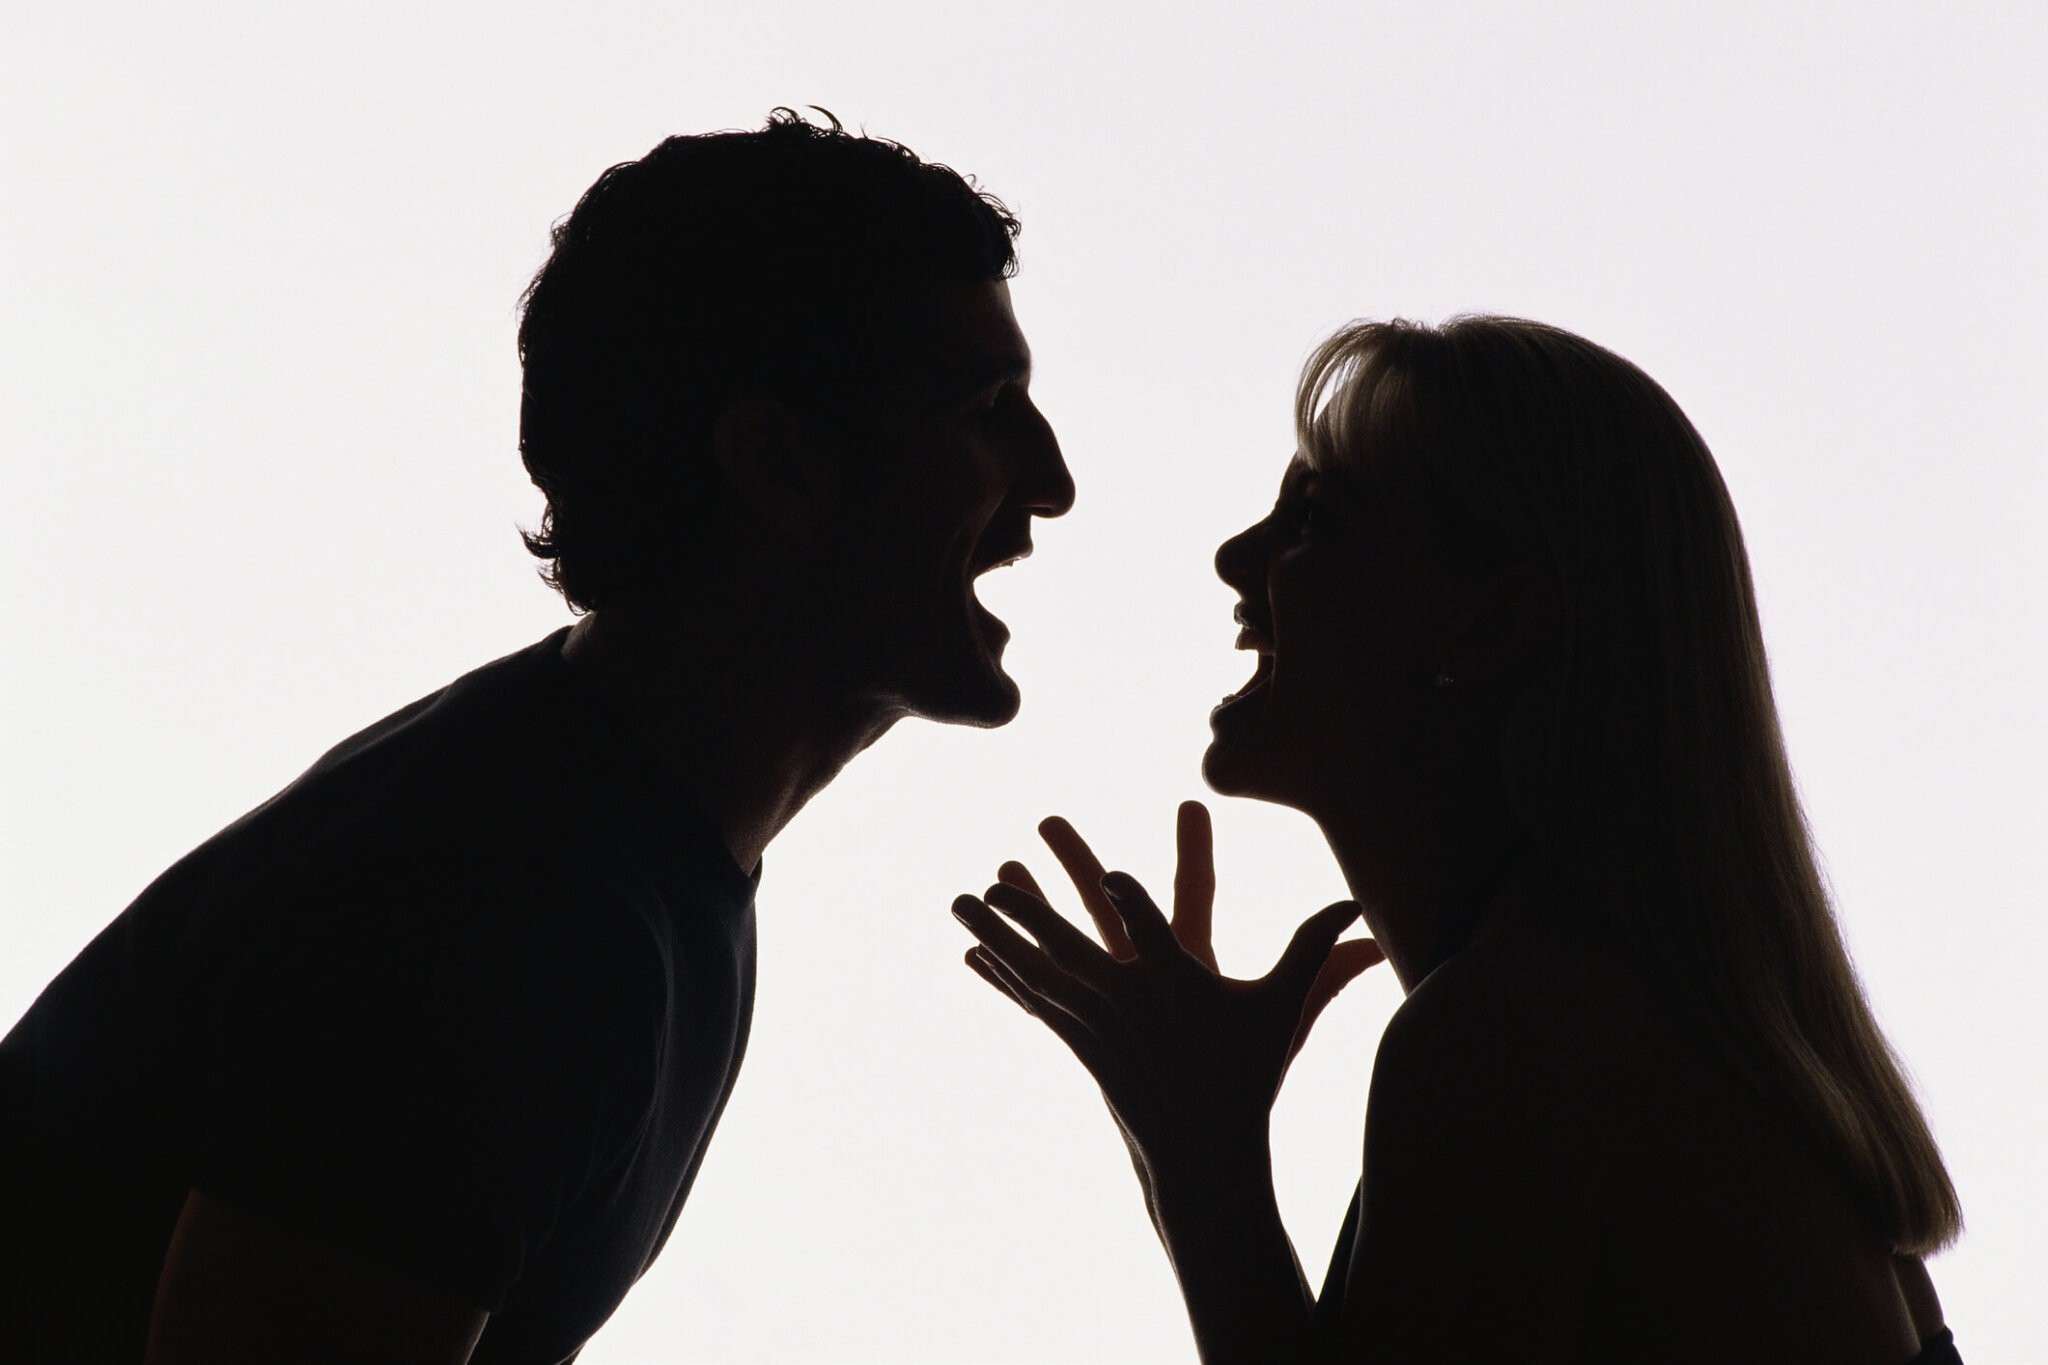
point(793, 344)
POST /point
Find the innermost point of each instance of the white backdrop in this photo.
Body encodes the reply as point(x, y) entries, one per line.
point(258, 400)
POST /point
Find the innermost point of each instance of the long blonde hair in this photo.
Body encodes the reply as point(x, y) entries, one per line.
point(1643, 751)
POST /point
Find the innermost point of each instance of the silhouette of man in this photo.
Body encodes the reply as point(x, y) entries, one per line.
point(417, 1060)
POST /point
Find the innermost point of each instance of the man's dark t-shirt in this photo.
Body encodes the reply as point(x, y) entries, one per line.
point(467, 999)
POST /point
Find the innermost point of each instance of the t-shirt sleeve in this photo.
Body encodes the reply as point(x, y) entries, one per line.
point(424, 1069)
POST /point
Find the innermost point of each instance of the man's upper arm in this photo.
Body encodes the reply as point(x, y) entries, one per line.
point(1483, 1192)
point(238, 1288)
point(422, 1082)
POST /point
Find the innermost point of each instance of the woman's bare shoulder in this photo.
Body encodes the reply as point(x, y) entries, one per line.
point(1487, 1137)
point(1536, 1003)
point(1536, 1058)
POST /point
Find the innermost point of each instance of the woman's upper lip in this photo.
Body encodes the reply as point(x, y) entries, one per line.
point(1256, 634)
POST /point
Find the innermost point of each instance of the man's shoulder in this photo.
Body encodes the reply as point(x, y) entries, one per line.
point(482, 714)
point(409, 780)
point(398, 845)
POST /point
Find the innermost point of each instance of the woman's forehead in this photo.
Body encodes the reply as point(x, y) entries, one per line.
point(1309, 465)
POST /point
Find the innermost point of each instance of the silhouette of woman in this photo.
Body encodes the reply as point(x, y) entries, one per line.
point(1634, 1106)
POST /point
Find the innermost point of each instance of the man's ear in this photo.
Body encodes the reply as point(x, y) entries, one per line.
point(776, 463)
point(1513, 612)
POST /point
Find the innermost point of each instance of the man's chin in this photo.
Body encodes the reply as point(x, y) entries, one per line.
point(984, 702)
point(966, 687)
point(970, 687)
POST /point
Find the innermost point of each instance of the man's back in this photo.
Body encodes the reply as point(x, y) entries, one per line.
point(465, 1001)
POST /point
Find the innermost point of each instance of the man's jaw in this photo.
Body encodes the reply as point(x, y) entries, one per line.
point(998, 548)
point(990, 696)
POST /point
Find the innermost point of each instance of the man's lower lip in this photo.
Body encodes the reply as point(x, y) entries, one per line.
point(994, 634)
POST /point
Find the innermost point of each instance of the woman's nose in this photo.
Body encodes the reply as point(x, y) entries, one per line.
point(1237, 557)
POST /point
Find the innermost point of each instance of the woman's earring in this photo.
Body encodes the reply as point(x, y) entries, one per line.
point(1444, 678)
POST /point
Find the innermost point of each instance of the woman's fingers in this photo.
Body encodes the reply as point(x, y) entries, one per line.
point(1029, 965)
point(1019, 876)
point(1067, 946)
point(1346, 963)
point(1066, 1027)
point(985, 967)
point(1085, 870)
point(1194, 882)
point(1310, 948)
point(1150, 935)
point(994, 932)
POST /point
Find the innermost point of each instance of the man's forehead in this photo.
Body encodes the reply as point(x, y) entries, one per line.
point(978, 340)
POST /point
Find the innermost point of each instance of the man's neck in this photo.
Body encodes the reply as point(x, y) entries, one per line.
point(741, 729)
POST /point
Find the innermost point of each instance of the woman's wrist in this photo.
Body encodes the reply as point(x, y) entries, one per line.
point(1204, 1192)
point(1219, 1222)
point(1209, 1163)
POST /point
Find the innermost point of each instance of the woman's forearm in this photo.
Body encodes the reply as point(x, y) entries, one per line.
point(1220, 1224)
point(1188, 1060)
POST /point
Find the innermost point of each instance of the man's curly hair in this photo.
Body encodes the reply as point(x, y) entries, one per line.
point(792, 263)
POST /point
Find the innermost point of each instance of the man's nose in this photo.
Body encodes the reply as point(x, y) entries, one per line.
point(1048, 486)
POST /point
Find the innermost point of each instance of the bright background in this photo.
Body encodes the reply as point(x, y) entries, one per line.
point(258, 400)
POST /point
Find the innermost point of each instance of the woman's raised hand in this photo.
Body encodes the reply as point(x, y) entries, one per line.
point(1185, 1056)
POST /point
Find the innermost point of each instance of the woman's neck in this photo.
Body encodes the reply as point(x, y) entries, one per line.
point(1428, 886)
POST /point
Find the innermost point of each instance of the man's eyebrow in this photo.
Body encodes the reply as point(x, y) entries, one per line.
point(985, 371)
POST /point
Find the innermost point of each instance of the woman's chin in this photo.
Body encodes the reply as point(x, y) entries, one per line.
point(1254, 753)
point(1232, 771)
point(1231, 763)
point(1243, 761)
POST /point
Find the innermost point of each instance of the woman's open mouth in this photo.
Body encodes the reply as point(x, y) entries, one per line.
point(1261, 675)
point(1253, 634)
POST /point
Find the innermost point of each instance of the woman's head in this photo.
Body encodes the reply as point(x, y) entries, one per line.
point(1405, 578)
point(1531, 588)
point(1585, 550)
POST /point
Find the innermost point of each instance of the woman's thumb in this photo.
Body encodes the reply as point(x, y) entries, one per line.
point(1310, 947)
